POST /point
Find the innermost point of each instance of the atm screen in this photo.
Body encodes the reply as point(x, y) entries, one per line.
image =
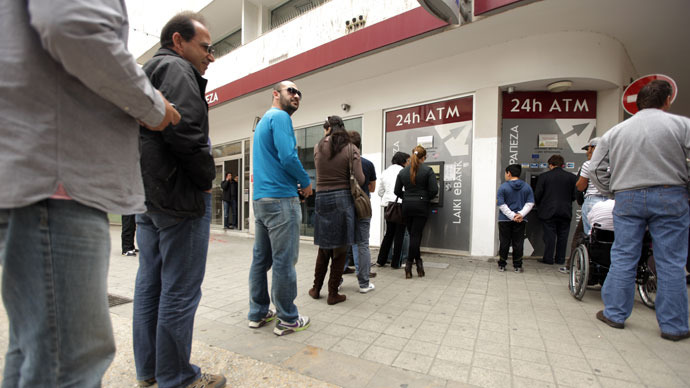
point(437, 168)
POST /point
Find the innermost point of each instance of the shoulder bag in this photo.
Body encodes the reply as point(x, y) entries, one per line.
point(361, 199)
point(393, 212)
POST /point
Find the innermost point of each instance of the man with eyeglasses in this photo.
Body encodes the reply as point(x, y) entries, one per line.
point(279, 178)
point(173, 234)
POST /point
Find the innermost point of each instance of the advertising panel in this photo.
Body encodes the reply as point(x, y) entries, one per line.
point(537, 125)
point(445, 129)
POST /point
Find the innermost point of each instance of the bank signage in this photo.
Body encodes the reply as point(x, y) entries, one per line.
point(537, 125)
point(445, 129)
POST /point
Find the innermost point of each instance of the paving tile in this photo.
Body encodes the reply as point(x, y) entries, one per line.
point(380, 354)
point(319, 363)
point(532, 370)
point(528, 354)
point(372, 325)
point(666, 380)
point(524, 382)
point(337, 330)
point(392, 377)
point(323, 341)
point(490, 361)
point(573, 378)
point(455, 355)
point(607, 382)
point(569, 362)
point(391, 342)
point(421, 347)
point(490, 347)
point(489, 378)
point(450, 371)
point(350, 347)
point(414, 362)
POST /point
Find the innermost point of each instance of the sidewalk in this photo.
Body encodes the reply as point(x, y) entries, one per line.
point(465, 324)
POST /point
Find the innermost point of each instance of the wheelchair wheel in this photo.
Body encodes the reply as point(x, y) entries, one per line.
point(579, 272)
point(647, 290)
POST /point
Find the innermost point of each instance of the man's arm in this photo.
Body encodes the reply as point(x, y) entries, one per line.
point(599, 171)
point(372, 186)
point(85, 38)
point(284, 141)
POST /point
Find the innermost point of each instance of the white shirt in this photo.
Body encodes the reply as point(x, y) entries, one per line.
point(584, 172)
point(602, 214)
point(387, 184)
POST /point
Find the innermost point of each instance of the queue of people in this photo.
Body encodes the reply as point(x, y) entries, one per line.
point(168, 176)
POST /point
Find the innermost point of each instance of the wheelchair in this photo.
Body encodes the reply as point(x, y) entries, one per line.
point(590, 262)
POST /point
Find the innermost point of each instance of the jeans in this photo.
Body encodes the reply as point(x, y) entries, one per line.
point(226, 214)
point(172, 264)
point(405, 250)
point(665, 211)
point(511, 233)
point(233, 205)
point(361, 253)
point(276, 244)
point(556, 231)
point(589, 203)
point(54, 287)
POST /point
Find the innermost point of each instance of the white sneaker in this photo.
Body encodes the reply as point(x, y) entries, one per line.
point(270, 315)
point(370, 287)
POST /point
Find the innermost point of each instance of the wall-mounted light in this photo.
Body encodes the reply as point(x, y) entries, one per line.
point(559, 86)
point(345, 107)
point(511, 89)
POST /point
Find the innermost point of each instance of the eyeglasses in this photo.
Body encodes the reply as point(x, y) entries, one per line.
point(294, 91)
point(209, 48)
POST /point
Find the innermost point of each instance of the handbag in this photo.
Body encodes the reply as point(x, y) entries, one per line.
point(361, 199)
point(393, 212)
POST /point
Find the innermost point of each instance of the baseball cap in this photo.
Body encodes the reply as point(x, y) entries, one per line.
point(592, 143)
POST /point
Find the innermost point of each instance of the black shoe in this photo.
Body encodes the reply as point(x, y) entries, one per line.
point(544, 262)
point(372, 275)
point(673, 337)
point(349, 270)
point(615, 325)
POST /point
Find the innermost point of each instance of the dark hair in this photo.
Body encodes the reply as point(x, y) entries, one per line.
point(339, 136)
point(417, 154)
point(556, 160)
point(653, 95)
point(356, 139)
point(183, 23)
point(400, 158)
point(514, 170)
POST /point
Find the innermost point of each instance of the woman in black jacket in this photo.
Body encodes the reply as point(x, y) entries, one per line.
point(420, 186)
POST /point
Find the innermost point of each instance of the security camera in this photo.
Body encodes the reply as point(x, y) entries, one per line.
point(345, 107)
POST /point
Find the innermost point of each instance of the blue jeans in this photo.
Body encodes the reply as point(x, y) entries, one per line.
point(665, 211)
point(233, 205)
point(226, 214)
point(276, 244)
point(172, 263)
point(54, 287)
point(404, 249)
point(589, 203)
point(361, 253)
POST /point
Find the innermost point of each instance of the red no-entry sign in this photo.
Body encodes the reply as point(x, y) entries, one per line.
point(629, 98)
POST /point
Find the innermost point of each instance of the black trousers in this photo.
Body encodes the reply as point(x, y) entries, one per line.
point(415, 226)
point(129, 227)
point(511, 233)
point(394, 236)
point(556, 231)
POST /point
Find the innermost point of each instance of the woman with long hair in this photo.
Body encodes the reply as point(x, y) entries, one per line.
point(335, 218)
point(420, 186)
point(395, 232)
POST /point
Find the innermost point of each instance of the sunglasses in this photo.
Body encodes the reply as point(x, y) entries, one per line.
point(294, 91)
point(209, 48)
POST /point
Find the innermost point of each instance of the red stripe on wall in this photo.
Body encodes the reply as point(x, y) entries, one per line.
point(398, 28)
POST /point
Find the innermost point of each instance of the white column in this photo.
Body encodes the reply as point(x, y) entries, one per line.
point(485, 159)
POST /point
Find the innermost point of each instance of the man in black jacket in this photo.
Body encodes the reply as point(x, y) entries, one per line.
point(555, 194)
point(178, 171)
point(227, 200)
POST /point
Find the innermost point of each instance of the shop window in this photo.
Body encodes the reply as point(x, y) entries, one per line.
point(291, 10)
point(227, 44)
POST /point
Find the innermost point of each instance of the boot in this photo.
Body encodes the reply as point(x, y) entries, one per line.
point(320, 270)
point(337, 267)
point(420, 267)
point(408, 269)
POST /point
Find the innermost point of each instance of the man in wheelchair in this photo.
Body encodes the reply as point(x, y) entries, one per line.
point(591, 260)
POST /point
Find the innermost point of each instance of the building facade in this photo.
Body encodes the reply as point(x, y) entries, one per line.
point(516, 82)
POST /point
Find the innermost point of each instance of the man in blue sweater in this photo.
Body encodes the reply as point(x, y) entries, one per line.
point(278, 178)
point(514, 200)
